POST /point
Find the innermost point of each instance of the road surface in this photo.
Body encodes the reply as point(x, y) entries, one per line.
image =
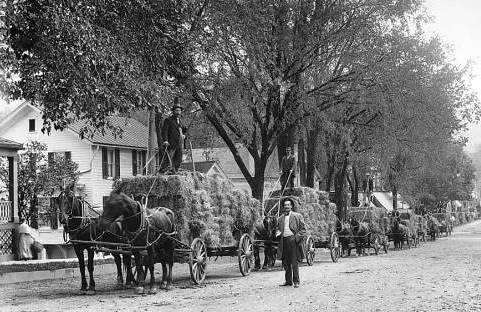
point(438, 276)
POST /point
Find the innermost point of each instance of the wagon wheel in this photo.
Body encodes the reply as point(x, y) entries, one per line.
point(376, 244)
point(334, 247)
point(245, 254)
point(310, 250)
point(198, 261)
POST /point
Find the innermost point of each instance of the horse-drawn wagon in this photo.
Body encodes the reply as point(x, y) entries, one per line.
point(445, 222)
point(367, 228)
point(206, 217)
point(319, 217)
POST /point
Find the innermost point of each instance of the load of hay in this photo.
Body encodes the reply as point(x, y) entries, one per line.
point(376, 217)
point(410, 220)
point(205, 207)
point(319, 214)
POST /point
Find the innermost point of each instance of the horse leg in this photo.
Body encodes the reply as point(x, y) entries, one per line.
point(169, 263)
point(120, 278)
point(81, 264)
point(152, 288)
point(257, 259)
point(90, 267)
point(267, 256)
point(140, 273)
point(127, 259)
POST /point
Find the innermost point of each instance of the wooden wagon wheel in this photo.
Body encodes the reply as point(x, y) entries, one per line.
point(245, 253)
point(310, 250)
point(198, 261)
point(334, 247)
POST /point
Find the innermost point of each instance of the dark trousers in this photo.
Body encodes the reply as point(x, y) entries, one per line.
point(285, 182)
point(175, 155)
point(289, 259)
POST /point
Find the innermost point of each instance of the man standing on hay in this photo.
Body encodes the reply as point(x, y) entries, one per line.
point(173, 133)
point(288, 169)
point(291, 229)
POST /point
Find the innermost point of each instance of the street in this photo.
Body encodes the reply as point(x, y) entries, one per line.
point(442, 275)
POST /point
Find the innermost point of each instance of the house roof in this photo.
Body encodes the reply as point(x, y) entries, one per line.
point(4, 143)
point(385, 200)
point(134, 134)
point(200, 166)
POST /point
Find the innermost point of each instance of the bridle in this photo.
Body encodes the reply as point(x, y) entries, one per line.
point(67, 213)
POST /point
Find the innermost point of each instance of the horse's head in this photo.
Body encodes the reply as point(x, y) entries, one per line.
point(270, 225)
point(117, 208)
point(69, 206)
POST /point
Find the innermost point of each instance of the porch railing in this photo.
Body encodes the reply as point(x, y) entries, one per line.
point(5, 211)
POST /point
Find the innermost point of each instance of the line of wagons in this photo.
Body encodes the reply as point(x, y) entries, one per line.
point(359, 234)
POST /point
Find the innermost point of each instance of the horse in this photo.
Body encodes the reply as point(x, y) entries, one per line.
point(433, 228)
point(265, 230)
point(84, 228)
point(400, 232)
point(345, 237)
point(147, 230)
point(361, 235)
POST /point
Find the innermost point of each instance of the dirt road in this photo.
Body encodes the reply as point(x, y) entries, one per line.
point(443, 275)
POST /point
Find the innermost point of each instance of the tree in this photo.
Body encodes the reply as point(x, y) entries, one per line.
point(37, 176)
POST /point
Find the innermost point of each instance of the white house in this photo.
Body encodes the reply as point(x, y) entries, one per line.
point(101, 158)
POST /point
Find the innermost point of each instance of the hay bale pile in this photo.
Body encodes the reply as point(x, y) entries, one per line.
point(376, 217)
point(319, 214)
point(205, 207)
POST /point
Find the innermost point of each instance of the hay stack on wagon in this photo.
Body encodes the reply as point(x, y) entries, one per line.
point(205, 207)
point(376, 217)
point(319, 214)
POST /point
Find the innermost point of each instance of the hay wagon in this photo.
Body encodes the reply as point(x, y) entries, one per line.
point(445, 223)
point(212, 218)
point(319, 217)
point(377, 236)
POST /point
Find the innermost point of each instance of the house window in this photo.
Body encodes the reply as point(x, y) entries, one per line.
point(138, 162)
point(55, 156)
point(31, 125)
point(110, 163)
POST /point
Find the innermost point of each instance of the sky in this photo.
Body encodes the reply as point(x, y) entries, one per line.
point(458, 23)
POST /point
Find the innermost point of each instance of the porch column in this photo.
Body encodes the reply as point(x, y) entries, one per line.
point(13, 186)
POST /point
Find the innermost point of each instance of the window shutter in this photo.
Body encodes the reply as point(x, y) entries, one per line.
point(134, 162)
point(50, 158)
point(68, 156)
point(143, 162)
point(117, 163)
point(105, 164)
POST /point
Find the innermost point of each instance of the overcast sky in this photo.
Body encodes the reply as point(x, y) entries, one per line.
point(458, 22)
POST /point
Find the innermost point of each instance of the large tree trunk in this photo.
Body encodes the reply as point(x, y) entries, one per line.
point(301, 162)
point(312, 142)
point(394, 197)
point(158, 133)
point(257, 181)
point(355, 188)
point(150, 144)
point(339, 189)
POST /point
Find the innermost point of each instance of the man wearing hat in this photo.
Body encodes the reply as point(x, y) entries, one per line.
point(173, 133)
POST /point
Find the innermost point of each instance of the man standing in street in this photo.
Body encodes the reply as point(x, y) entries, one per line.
point(288, 168)
point(291, 229)
point(173, 134)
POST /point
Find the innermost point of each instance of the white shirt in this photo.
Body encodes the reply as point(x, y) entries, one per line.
point(287, 229)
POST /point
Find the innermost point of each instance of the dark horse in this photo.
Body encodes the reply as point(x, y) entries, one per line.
point(84, 228)
point(266, 231)
point(345, 237)
point(433, 228)
point(361, 235)
point(400, 232)
point(146, 230)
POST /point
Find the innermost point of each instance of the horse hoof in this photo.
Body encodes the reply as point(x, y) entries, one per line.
point(139, 290)
point(256, 269)
point(163, 285)
point(83, 291)
point(90, 292)
point(168, 287)
point(153, 291)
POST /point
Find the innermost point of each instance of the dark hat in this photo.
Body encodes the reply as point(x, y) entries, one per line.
point(176, 104)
